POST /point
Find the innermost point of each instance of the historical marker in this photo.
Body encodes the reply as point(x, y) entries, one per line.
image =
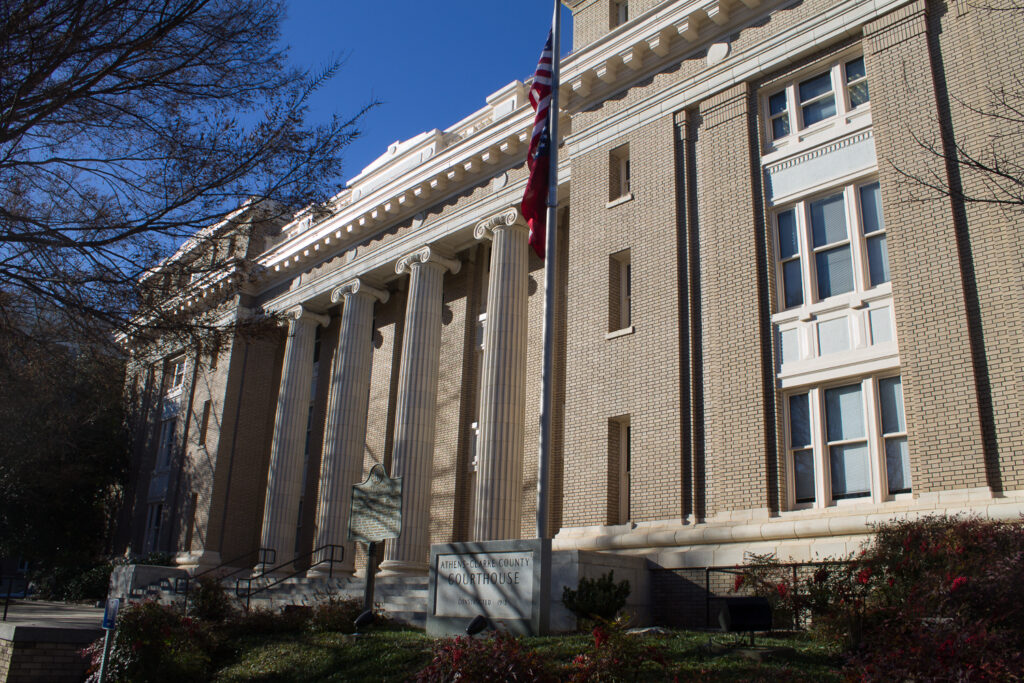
point(376, 513)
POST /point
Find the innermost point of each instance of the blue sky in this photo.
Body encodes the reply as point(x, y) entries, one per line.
point(429, 63)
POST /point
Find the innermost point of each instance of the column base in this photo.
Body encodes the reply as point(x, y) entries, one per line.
point(399, 568)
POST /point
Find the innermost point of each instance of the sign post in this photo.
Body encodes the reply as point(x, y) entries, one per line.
point(376, 516)
point(109, 620)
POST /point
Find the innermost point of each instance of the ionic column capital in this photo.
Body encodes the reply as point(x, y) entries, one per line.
point(358, 286)
point(509, 218)
point(426, 255)
point(300, 312)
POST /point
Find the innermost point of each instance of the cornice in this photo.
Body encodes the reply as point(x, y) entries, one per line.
point(842, 19)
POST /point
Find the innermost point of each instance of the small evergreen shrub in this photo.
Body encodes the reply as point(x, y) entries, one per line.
point(259, 621)
point(599, 598)
point(499, 658)
point(335, 614)
point(209, 601)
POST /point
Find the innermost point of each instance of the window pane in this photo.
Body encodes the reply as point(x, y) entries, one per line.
point(819, 111)
point(890, 396)
point(780, 127)
point(799, 421)
point(850, 474)
point(871, 208)
point(881, 325)
point(844, 413)
point(803, 476)
point(828, 220)
point(835, 271)
point(878, 260)
point(777, 103)
point(813, 87)
point(897, 464)
point(859, 94)
point(789, 341)
point(788, 245)
point(833, 336)
point(793, 283)
point(855, 69)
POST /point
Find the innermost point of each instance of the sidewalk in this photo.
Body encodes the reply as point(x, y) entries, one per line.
point(52, 615)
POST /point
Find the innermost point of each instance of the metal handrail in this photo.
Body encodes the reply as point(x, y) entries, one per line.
point(262, 555)
point(9, 582)
point(329, 560)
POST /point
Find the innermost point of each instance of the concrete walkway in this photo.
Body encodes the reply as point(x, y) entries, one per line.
point(52, 615)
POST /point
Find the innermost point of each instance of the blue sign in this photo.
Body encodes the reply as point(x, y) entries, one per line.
point(110, 613)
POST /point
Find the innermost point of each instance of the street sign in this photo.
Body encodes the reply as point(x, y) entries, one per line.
point(110, 613)
point(376, 512)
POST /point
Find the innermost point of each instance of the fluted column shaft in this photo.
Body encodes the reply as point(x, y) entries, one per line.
point(503, 382)
point(284, 477)
point(416, 411)
point(345, 431)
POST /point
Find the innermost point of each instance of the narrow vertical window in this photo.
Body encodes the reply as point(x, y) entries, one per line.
point(619, 13)
point(204, 423)
point(873, 225)
point(166, 443)
point(619, 173)
point(847, 442)
point(894, 434)
point(620, 291)
point(856, 82)
point(801, 448)
point(778, 114)
point(789, 259)
point(620, 465)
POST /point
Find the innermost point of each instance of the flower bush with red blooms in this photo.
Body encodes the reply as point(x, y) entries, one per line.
point(499, 657)
point(933, 599)
point(154, 643)
point(616, 656)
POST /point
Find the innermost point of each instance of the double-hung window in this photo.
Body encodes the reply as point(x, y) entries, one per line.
point(847, 440)
point(838, 90)
point(831, 245)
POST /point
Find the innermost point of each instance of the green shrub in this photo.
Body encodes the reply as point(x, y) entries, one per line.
point(259, 621)
point(599, 598)
point(500, 657)
point(154, 643)
point(209, 601)
point(335, 614)
point(73, 583)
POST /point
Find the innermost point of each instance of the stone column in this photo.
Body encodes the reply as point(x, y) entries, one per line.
point(284, 478)
point(345, 431)
point(415, 415)
point(503, 381)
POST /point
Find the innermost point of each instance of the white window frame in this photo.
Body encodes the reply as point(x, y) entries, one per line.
point(620, 12)
point(794, 107)
point(175, 374)
point(619, 161)
point(855, 237)
point(879, 488)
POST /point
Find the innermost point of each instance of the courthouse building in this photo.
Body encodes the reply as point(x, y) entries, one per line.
point(770, 333)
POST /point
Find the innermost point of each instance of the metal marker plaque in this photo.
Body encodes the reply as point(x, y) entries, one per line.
point(376, 512)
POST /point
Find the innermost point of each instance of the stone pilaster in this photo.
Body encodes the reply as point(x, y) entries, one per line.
point(415, 414)
point(345, 431)
point(503, 386)
point(284, 477)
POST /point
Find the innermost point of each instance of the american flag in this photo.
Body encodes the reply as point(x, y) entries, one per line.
point(534, 204)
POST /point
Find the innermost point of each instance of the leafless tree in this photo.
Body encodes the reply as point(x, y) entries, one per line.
point(128, 125)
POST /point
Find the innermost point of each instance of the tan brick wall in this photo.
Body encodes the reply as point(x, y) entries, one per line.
point(592, 19)
point(41, 662)
point(980, 53)
point(737, 370)
point(928, 292)
point(636, 374)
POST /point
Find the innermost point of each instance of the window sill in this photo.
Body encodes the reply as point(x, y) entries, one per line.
point(620, 333)
point(619, 200)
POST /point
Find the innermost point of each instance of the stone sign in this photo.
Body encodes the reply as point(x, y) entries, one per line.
point(376, 512)
point(498, 584)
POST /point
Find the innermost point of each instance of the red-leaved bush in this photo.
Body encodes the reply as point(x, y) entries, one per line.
point(499, 657)
point(933, 599)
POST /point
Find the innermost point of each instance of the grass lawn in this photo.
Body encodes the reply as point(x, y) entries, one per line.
point(395, 655)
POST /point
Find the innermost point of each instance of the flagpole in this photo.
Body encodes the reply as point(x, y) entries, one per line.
point(550, 264)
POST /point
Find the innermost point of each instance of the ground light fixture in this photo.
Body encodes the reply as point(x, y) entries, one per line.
point(478, 624)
